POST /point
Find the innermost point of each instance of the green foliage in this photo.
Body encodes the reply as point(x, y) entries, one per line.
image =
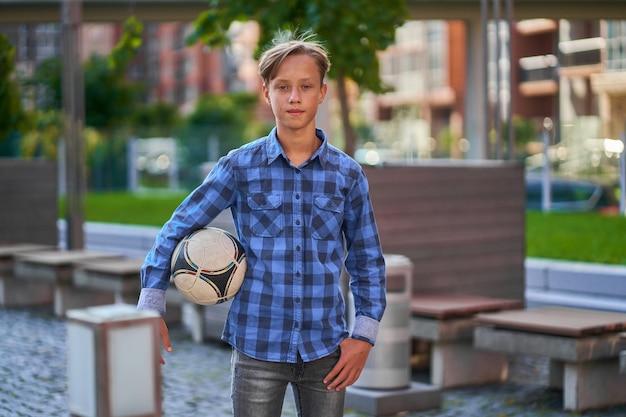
point(218, 123)
point(225, 116)
point(106, 159)
point(127, 47)
point(12, 116)
point(41, 140)
point(109, 98)
point(159, 119)
point(353, 31)
point(47, 77)
point(583, 237)
point(524, 131)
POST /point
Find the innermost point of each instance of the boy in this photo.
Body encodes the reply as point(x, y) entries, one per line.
point(295, 201)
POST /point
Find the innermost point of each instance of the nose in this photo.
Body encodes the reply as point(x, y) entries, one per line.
point(294, 97)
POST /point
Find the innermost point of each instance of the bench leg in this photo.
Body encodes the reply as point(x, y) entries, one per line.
point(556, 371)
point(590, 385)
point(24, 293)
point(460, 364)
point(194, 319)
point(67, 297)
point(126, 298)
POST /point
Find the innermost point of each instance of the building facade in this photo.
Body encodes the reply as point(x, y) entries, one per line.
point(572, 72)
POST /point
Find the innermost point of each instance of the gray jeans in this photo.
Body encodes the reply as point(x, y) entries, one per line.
point(258, 387)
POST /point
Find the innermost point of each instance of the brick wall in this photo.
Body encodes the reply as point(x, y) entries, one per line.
point(463, 225)
point(28, 208)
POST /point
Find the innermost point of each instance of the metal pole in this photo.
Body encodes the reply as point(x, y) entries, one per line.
point(509, 115)
point(497, 105)
point(546, 193)
point(484, 20)
point(73, 116)
point(622, 176)
point(132, 165)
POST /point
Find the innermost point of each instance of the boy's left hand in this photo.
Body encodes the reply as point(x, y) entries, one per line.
point(351, 362)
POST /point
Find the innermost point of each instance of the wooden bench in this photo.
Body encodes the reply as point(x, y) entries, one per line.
point(447, 322)
point(122, 278)
point(56, 267)
point(21, 294)
point(583, 345)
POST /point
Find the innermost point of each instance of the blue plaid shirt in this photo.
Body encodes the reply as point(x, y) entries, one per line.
point(291, 222)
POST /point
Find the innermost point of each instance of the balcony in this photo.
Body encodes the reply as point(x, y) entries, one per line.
point(581, 57)
point(538, 75)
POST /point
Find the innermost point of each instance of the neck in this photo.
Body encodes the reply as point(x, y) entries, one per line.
point(299, 147)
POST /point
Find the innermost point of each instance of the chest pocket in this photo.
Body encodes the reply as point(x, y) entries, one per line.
point(266, 214)
point(327, 217)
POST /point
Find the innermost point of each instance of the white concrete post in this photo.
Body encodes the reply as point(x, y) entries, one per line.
point(113, 364)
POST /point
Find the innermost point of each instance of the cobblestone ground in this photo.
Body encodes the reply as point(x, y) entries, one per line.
point(196, 380)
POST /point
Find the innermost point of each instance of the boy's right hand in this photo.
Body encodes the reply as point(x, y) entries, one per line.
point(165, 338)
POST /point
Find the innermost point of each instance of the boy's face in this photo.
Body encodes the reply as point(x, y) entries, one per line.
point(295, 93)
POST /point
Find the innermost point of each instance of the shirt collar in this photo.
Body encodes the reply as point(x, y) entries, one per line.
point(274, 149)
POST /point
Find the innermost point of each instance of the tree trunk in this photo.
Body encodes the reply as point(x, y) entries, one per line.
point(348, 131)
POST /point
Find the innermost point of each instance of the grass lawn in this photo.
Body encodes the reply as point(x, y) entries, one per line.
point(583, 237)
point(147, 209)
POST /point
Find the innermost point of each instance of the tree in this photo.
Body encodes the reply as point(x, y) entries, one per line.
point(217, 124)
point(13, 117)
point(353, 31)
point(156, 119)
point(109, 98)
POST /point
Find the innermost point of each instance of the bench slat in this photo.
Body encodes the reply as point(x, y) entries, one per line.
point(563, 321)
point(446, 306)
point(125, 266)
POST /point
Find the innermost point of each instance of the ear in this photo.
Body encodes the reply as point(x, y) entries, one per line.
point(323, 91)
point(266, 93)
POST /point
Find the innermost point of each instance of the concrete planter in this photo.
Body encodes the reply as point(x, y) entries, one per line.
point(575, 284)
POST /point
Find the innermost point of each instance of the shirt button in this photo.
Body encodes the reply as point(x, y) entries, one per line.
point(297, 222)
point(298, 248)
point(297, 196)
point(298, 273)
point(297, 299)
point(296, 325)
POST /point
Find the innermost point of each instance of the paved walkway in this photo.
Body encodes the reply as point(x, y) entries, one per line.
point(196, 380)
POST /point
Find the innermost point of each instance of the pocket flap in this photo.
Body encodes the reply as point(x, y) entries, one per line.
point(261, 201)
point(334, 204)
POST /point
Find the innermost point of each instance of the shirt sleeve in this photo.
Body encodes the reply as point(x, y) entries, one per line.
point(197, 210)
point(364, 262)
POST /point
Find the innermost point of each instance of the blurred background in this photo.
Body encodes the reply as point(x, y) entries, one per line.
point(161, 104)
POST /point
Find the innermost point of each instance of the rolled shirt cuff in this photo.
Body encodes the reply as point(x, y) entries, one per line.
point(152, 299)
point(365, 328)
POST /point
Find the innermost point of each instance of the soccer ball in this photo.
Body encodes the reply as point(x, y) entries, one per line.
point(208, 266)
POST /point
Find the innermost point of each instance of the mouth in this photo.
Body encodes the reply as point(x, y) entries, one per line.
point(295, 112)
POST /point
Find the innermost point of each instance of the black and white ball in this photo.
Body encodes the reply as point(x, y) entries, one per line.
point(208, 266)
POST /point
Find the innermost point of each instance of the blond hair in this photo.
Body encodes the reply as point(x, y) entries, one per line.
point(288, 43)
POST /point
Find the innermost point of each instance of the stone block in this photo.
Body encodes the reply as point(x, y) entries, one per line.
point(460, 364)
point(416, 397)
